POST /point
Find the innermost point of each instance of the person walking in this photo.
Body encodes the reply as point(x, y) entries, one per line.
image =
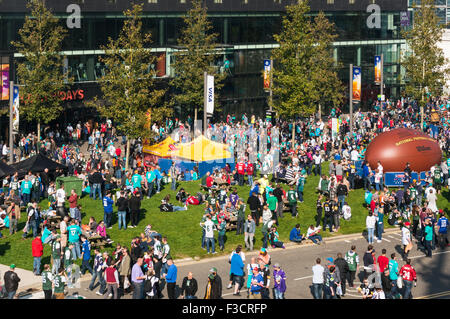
point(352, 259)
point(137, 279)
point(343, 268)
point(99, 267)
point(85, 256)
point(318, 279)
point(428, 237)
point(249, 232)
point(393, 276)
point(112, 280)
point(59, 282)
point(408, 274)
point(47, 280)
point(279, 281)
point(442, 224)
point(37, 251)
point(189, 287)
point(11, 281)
point(237, 271)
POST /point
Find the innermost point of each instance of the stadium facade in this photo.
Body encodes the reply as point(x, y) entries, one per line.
point(245, 29)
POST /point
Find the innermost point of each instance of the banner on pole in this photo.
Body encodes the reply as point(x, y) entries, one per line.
point(15, 109)
point(210, 94)
point(378, 69)
point(334, 128)
point(356, 83)
point(4, 75)
point(267, 69)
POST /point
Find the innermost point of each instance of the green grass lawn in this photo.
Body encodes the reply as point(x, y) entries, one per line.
point(182, 228)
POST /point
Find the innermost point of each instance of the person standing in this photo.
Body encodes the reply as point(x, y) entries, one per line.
point(59, 281)
point(13, 212)
point(173, 176)
point(352, 259)
point(393, 275)
point(63, 229)
point(254, 205)
point(99, 266)
point(237, 271)
point(112, 280)
point(214, 285)
point(330, 279)
point(292, 198)
point(11, 281)
point(135, 207)
point(56, 252)
point(171, 279)
point(124, 271)
point(47, 280)
point(257, 284)
point(122, 205)
point(137, 279)
point(37, 251)
point(33, 220)
point(108, 209)
point(370, 225)
point(74, 232)
point(240, 217)
point(209, 227)
point(408, 274)
point(189, 287)
point(25, 189)
point(428, 237)
point(343, 268)
point(249, 232)
point(319, 209)
point(318, 279)
point(73, 202)
point(406, 240)
point(60, 201)
point(279, 280)
point(442, 224)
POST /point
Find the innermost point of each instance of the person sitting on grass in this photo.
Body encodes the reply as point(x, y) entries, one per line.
point(295, 235)
point(101, 231)
point(313, 234)
point(181, 195)
point(274, 238)
point(168, 207)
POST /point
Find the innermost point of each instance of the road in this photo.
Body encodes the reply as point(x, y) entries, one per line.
point(433, 274)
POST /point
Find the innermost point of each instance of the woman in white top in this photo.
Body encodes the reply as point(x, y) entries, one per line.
point(431, 199)
point(406, 239)
point(370, 224)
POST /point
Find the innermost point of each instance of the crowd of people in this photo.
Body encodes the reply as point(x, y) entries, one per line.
point(95, 153)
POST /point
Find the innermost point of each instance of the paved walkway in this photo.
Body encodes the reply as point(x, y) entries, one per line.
point(30, 282)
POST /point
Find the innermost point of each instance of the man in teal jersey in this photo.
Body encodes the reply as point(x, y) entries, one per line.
point(150, 176)
point(25, 189)
point(393, 275)
point(136, 179)
point(74, 232)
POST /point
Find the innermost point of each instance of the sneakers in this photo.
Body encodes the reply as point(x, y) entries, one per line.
point(214, 253)
point(99, 293)
point(229, 286)
point(110, 295)
point(378, 241)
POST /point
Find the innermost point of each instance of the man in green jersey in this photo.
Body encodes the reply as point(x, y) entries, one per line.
point(59, 283)
point(68, 261)
point(272, 202)
point(47, 279)
point(292, 199)
point(352, 259)
point(56, 252)
point(437, 178)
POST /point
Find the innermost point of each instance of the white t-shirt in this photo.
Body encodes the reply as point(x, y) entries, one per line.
point(60, 197)
point(347, 210)
point(209, 229)
point(318, 271)
point(354, 155)
point(311, 231)
point(371, 221)
point(405, 236)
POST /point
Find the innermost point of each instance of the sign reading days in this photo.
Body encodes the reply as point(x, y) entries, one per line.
point(69, 95)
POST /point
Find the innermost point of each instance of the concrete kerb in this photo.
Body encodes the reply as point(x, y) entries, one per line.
point(26, 275)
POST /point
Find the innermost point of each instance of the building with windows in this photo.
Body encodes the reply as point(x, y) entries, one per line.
point(245, 28)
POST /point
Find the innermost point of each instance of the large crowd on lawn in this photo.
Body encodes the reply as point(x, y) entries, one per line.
point(265, 158)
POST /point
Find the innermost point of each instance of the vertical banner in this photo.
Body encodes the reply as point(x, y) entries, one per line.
point(334, 128)
point(210, 94)
point(15, 109)
point(378, 69)
point(267, 68)
point(4, 75)
point(356, 83)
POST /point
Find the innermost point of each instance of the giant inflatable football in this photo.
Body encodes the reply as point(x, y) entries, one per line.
point(397, 147)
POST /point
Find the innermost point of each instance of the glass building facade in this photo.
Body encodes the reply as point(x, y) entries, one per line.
point(245, 29)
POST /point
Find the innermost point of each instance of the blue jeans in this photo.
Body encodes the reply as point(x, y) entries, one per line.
point(178, 208)
point(221, 240)
point(76, 250)
point(265, 239)
point(300, 196)
point(394, 288)
point(72, 212)
point(370, 232)
point(26, 198)
point(190, 297)
point(158, 185)
point(97, 188)
point(150, 189)
point(174, 184)
point(203, 238)
point(407, 289)
point(101, 279)
point(11, 294)
point(122, 218)
point(107, 218)
point(328, 221)
point(315, 238)
point(278, 294)
point(250, 180)
point(118, 174)
point(380, 230)
point(37, 265)
point(317, 291)
point(86, 266)
point(138, 290)
point(341, 200)
point(210, 241)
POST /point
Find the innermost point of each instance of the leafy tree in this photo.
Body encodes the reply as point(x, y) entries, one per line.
point(129, 89)
point(41, 71)
point(304, 74)
point(196, 55)
point(424, 61)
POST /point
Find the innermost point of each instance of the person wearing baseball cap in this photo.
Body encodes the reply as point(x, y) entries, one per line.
point(11, 281)
point(279, 287)
point(214, 285)
point(257, 284)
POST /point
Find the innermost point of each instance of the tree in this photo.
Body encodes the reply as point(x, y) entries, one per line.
point(424, 63)
point(42, 70)
point(304, 73)
point(131, 96)
point(196, 55)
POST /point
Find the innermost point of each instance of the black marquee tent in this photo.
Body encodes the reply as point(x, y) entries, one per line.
point(37, 164)
point(6, 170)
